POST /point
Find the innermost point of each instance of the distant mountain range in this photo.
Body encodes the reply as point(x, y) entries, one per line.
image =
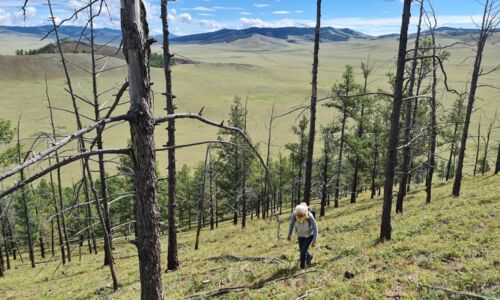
point(290, 34)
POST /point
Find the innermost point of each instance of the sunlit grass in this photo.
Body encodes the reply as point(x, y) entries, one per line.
point(452, 242)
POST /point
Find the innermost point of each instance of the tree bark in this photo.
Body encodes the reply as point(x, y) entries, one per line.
point(392, 151)
point(172, 260)
point(405, 167)
point(136, 47)
point(314, 97)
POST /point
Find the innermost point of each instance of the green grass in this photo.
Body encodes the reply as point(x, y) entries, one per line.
point(268, 71)
point(452, 243)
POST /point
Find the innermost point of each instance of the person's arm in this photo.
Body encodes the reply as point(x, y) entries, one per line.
point(314, 227)
point(292, 225)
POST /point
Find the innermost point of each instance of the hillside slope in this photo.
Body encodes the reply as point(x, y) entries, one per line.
point(451, 243)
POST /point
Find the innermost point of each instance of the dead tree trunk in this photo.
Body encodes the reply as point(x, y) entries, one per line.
point(478, 146)
point(326, 161)
point(374, 169)
point(244, 170)
point(488, 26)
point(3, 221)
point(486, 146)
point(497, 166)
point(25, 203)
point(392, 151)
point(432, 126)
point(172, 260)
point(40, 230)
point(108, 257)
point(341, 151)
point(211, 191)
point(314, 97)
point(454, 140)
point(201, 200)
point(405, 166)
point(136, 47)
point(267, 177)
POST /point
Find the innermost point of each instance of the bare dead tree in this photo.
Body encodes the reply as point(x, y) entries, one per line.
point(314, 98)
point(431, 160)
point(267, 185)
point(201, 200)
point(489, 23)
point(25, 201)
point(172, 260)
point(488, 135)
point(244, 169)
point(385, 228)
point(136, 48)
point(405, 166)
point(108, 245)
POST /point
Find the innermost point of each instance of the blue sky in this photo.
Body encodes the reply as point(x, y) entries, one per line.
point(194, 16)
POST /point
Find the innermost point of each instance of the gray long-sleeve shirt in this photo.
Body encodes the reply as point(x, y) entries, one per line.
point(304, 229)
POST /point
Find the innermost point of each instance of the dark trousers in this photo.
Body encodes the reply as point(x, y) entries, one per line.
point(304, 246)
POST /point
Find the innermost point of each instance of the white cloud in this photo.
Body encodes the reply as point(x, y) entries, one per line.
point(281, 12)
point(261, 5)
point(245, 13)
point(299, 11)
point(206, 15)
point(199, 8)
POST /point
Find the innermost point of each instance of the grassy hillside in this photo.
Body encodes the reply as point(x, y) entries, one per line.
point(270, 71)
point(451, 243)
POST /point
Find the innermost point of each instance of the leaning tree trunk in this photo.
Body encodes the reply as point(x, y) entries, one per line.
point(136, 47)
point(201, 199)
point(486, 30)
point(3, 221)
point(392, 151)
point(314, 97)
point(405, 167)
point(172, 260)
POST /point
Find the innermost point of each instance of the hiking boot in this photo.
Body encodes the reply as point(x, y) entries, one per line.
point(309, 259)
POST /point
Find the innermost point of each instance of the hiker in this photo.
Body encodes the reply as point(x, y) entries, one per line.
point(307, 232)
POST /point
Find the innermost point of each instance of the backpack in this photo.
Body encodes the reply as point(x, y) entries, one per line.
point(311, 211)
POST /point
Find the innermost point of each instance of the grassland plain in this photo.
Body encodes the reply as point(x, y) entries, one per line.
point(451, 243)
point(267, 70)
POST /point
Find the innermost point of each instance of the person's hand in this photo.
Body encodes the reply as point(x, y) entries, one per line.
point(289, 238)
point(313, 244)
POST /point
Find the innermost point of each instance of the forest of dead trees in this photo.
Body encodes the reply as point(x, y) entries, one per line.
point(380, 142)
